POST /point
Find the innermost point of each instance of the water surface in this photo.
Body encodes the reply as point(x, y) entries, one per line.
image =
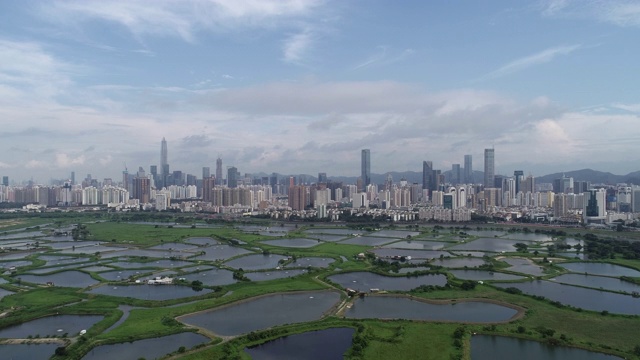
point(306, 346)
point(364, 281)
point(392, 307)
point(250, 315)
point(603, 269)
point(51, 325)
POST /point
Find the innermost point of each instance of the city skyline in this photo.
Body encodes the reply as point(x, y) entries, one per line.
point(290, 87)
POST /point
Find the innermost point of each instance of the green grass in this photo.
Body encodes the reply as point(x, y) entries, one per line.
point(587, 329)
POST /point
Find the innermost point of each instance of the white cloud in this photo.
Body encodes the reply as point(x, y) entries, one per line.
point(628, 107)
point(176, 18)
point(624, 13)
point(296, 47)
point(523, 63)
point(383, 56)
point(64, 160)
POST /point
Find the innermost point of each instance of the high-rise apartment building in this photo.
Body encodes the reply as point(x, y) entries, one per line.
point(142, 189)
point(365, 168)
point(206, 172)
point(219, 180)
point(208, 184)
point(297, 197)
point(322, 178)
point(468, 169)
point(489, 168)
point(5, 180)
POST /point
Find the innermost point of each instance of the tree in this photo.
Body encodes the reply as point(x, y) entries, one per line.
point(521, 247)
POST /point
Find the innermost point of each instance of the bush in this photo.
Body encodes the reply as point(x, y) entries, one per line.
point(522, 329)
point(513, 290)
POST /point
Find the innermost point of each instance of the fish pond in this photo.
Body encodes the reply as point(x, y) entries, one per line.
point(602, 269)
point(250, 315)
point(148, 348)
point(400, 307)
point(306, 346)
point(51, 326)
point(150, 292)
point(364, 281)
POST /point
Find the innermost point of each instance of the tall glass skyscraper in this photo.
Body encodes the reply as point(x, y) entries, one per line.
point(365, 168)
point(468, 169)
point(164, 163)
point(219, 171)
point(489, 168)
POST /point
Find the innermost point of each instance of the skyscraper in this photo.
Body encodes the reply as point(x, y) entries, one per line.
point(365, 172)
point(164, 164)
point(455, 174)
point(219, 171)
point(519, 176)
point(232, 177)
point(468, 169)
point(427, 174)
point(489, 168)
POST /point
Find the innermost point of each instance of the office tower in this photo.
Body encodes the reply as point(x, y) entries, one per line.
point(455, 174)
point(73, 178)
point(489, 168)
point(518, 175)
point(581, 186)
point(164, 164)
point(529, 184)
point(594, 206)
point(232, 177)
point(219, 180)
point(468, 169)
point(322, 178)
point(365, 168)
point(206, 172)
point(427, 174)
point(5, 180)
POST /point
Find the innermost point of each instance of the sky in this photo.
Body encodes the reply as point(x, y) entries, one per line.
point(301, 86)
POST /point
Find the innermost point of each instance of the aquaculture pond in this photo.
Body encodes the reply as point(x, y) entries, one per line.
point(275, 274)
point(395, 233)
point(121, 275)
point(413, 269)
point(369, 241)
point(336, 231)
point(175, 247)
point(220, 252)
point(4, 293)
point(592, 281)
point(491, 245)
point(418, 245)
point(149, 292)
point(400, 307)
point(486, 347)
point(204, 241)
point(212, 277)
point(528, 236)
point(458, 262)
point(65, 278)
point(148, 348)
point(483, 275)
point(250, 315)
point(416, 254)
point(256, 262)
point(603, 269)
point(587, 299)
point(311, 261)
point(324, 237)
point(524, 266)
point(306, 346)
point(293, 243)
point(364, 281)
point(51, 326)
point(27, 351)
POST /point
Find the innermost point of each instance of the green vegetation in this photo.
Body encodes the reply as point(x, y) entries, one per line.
point(544, 320)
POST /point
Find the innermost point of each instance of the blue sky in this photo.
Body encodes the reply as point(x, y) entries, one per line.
point(300, 86)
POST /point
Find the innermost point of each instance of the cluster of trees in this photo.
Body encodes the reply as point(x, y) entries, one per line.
point(597, 248)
